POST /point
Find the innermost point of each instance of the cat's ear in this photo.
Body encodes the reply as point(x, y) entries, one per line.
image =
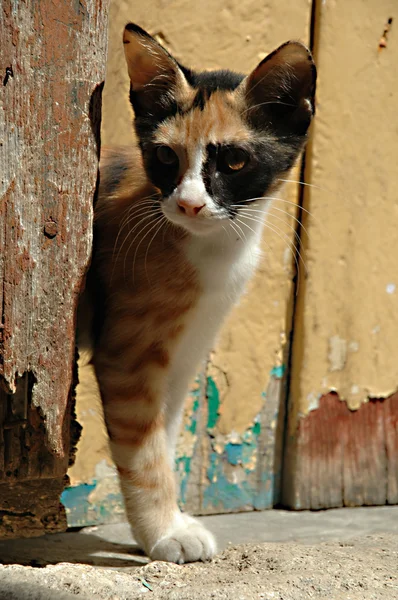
point(280, 92)
point(155, 75)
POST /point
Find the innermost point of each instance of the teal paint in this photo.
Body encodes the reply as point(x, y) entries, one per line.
point(183, 463)
point(225, 495)
point(80, 511)
point(234, 453)
point(183, 468)
point(213, 402)
point(255, 490)
point(221, 493)
point(264, 498)
point(278, 372)
point(74, 497)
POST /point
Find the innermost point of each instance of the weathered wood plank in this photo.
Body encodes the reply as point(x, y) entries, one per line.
point(345, 323)
point(52, 56)
point(345, 457)
point(391, 441)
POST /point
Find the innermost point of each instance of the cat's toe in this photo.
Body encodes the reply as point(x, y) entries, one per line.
point(186, 544)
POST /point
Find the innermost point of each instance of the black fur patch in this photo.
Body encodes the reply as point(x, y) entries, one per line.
point(210, 81)
point(267, 159)
point(112, 175)
point(162, 176)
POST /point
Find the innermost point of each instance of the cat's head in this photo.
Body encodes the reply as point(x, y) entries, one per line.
point(214, 140)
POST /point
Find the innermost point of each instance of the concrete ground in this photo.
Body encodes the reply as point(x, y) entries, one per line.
point(342, 553)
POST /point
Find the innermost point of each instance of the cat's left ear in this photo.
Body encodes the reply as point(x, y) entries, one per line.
point(155, 75)
point(280, 93)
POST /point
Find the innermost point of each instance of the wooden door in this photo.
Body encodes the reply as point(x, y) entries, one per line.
point(52, 57)
point(342, 437)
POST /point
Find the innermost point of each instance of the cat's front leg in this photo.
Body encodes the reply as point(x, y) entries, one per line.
point(138, 441)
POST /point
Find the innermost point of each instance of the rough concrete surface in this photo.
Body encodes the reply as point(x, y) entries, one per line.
point(350, 554)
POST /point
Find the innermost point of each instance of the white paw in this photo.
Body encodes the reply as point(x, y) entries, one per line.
point(186, 543)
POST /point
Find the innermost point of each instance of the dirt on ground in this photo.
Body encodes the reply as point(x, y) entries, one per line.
point(361, 569)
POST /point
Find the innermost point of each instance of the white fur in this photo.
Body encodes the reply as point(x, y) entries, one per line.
point(225, 263)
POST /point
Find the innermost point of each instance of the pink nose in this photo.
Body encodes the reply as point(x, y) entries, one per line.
point(190, 207)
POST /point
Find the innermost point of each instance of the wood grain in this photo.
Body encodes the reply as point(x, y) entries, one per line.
point(52, 56)
point(344, 457)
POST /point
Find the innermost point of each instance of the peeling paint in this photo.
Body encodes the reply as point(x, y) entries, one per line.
point(186, 444)
point(337, 353)
point(313, 401)
point(213, 399)
point(91, 504)
point(278, 371)
point(235, 482)
point(236, 477)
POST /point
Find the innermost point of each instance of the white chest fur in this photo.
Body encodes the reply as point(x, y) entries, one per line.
point(224, 263)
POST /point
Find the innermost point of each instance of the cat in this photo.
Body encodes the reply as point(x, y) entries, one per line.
point(171, 254)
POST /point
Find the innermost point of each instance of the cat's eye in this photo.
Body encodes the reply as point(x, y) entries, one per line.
point(232, 160)
point(166, 155)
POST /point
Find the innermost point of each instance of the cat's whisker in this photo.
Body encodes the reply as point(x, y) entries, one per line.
point(226, 231)
point(139, 244)
point(292, 247)
point(143, 211)
point(128, 215)
point(133, 209)
point(241, 230)
point(145, 227)
point(269, 212)
point(243, 223)
point(313, 185)
point(161, 223)
point(296, 235)
point(252, 201)
point(165, 230)
point(145, 215)
point(131, 217)
point(263, 104)
point(235, 230)
point(129, 233)
point(132, 206)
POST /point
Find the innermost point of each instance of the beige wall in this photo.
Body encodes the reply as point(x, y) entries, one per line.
point(346, 319)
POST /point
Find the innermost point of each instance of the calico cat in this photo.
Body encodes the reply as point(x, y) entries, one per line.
point(171, 258)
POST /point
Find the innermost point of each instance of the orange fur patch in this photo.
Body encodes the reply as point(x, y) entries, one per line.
point(131, 432)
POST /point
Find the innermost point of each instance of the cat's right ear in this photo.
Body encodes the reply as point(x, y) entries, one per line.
point(155, 75)
point(279, 93)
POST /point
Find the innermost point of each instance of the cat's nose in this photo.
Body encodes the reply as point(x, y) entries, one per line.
point(190, 207)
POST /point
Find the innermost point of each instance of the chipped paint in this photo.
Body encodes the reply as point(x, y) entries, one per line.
point(235, 477)
point(93, 503)
point(187, 442)
point(313, 401)
point(337, 353)
point(233, 469)
point(278, 371)
point(213, 399)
